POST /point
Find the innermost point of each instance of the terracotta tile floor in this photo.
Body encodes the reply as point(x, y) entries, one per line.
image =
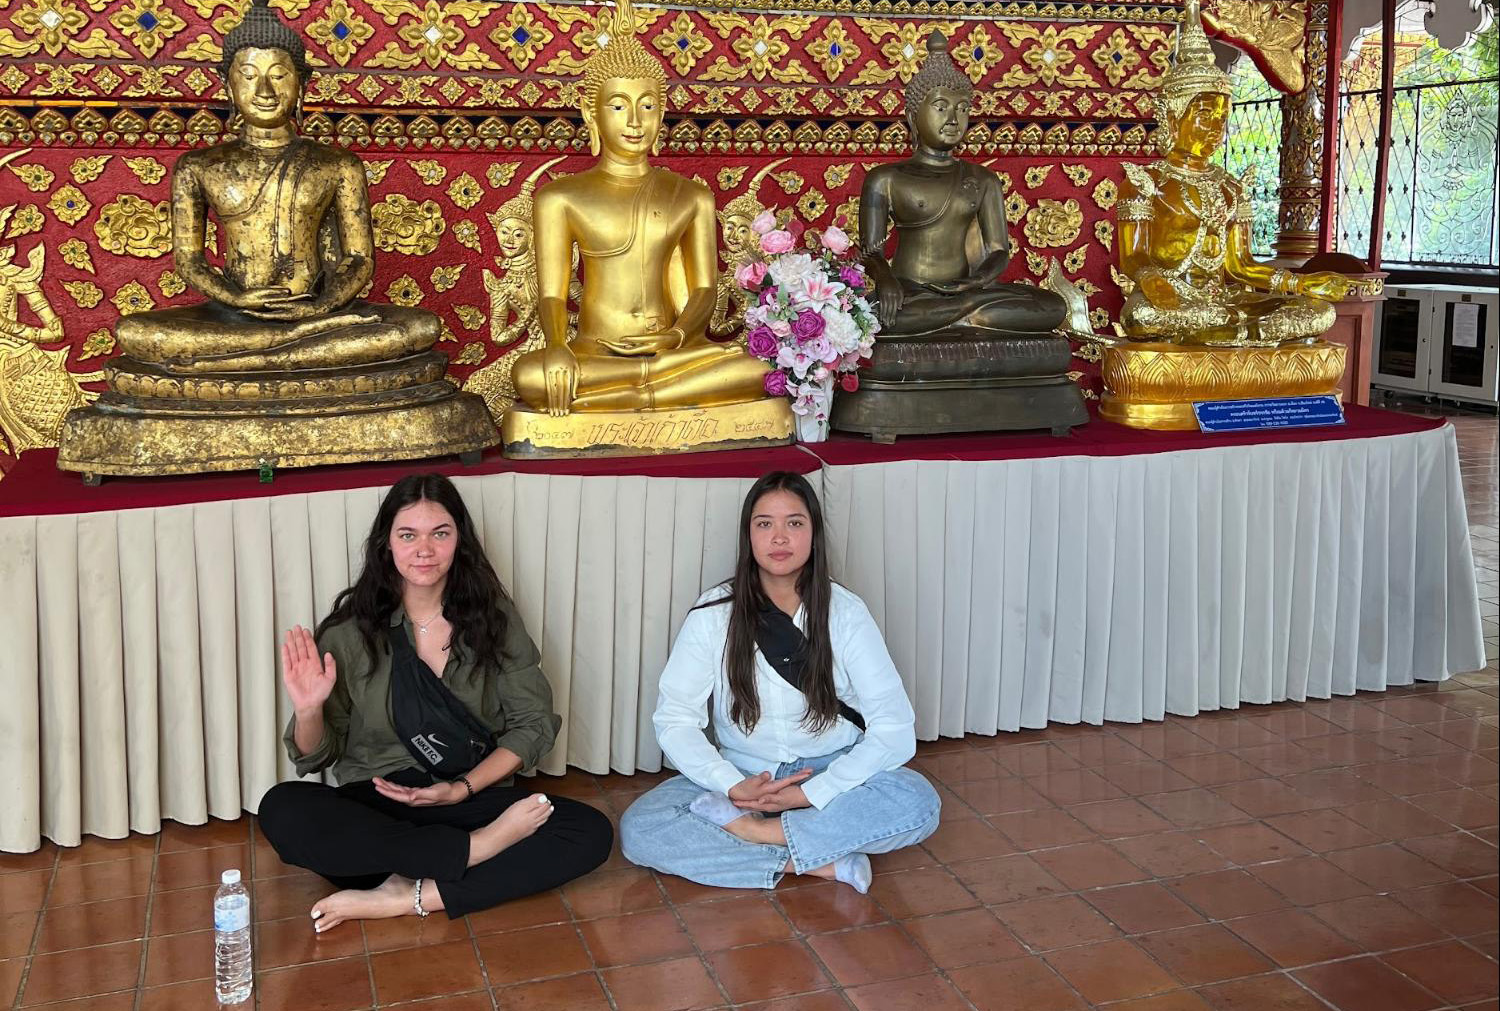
point(1337, 854)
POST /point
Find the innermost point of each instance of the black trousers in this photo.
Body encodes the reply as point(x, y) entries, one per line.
point(356, 838)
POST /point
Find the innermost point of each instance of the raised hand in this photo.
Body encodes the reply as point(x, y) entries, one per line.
point(309, 681)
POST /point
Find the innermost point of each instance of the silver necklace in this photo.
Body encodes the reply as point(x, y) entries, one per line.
point(422, 623)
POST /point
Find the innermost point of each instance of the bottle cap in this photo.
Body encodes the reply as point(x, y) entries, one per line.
point(230, 877)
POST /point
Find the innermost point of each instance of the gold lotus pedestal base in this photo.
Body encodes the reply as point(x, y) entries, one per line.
point(1155, 385)
point(129, 436)
point(536, 435)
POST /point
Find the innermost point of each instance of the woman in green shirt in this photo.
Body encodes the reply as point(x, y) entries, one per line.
point(422, 691)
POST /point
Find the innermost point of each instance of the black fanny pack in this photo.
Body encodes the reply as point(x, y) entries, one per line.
point(435, 726)
point(784, 646)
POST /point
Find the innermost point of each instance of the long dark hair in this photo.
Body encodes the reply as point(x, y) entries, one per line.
point(746, 598)
point(471, 595)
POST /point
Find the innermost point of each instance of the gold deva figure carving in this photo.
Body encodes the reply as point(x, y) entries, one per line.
point(642, 336)
point(959, 350)
point(740, 246)
point(1184, 230)
point(513, 297)
point(36, 388)
point(284, 345)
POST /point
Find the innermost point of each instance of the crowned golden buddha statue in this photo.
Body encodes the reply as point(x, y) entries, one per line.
point(640, 374)
point(959, 350)
point(284, 365)
point(741, 245)
point(1203, 320)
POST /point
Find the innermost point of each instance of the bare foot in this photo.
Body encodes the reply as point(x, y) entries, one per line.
point(393, 897)
point(515, 823)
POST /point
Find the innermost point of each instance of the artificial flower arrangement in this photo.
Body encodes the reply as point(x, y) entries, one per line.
point(810, 316)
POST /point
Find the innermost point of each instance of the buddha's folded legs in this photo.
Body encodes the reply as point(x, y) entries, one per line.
point(700, 376)
point(210, 337)
point(1004, 308)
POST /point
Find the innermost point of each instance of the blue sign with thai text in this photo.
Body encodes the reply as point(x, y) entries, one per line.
point(1271, 412)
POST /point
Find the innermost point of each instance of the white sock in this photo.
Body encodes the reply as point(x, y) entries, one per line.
point(716, 808)
point(853, 869)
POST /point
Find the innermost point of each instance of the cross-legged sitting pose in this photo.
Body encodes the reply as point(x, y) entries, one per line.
point(423, 691)
point(812, 721)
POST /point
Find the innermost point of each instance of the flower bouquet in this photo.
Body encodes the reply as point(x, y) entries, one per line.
point(810, 317)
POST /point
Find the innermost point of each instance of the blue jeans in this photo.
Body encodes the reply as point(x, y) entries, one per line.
point(890, 810)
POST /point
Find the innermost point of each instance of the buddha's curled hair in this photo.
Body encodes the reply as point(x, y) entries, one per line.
point(623, 57)
point(262, 28)
point(938, 71)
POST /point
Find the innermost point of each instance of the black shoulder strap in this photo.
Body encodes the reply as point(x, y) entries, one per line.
point(784, 646)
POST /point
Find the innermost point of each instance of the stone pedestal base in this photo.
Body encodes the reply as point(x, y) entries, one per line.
point(536, 435)
point(1154, 386)
point(885, 410)
point(131, 436)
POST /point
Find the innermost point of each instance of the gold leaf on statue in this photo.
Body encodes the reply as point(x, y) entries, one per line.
point(147, 170)
point(38, 178)
point(500, 173)
point(404, 291)
point(444, 278)
point(100, 342)
point(70, 205)
point(469, 316)
point(131, 226)
point(730, 176)
point(133, 297)
point(86, 170)
point(75, 253)
point(375, 170)
point(429, 171)
point(472, 354)
point(467, 234)
point(27, 219)
point(465, 191)
point(85, 294)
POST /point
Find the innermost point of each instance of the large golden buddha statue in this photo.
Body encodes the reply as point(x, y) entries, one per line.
point(1184, 243)
point(284, 365)
point(640, 375)
point(959, 350)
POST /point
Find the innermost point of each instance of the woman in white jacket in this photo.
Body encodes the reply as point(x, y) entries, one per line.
point(812, 721)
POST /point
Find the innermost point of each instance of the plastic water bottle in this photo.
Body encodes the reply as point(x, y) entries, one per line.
point(233, 973)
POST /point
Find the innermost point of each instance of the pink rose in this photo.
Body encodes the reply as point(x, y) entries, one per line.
point(849, 382)
point(834, 239)
point(852, 276)
point(779, 241)
point(764, 222)
point(807, 325)
point(780, 327)
point(775, 383)
point(750, 275)
point(761, 343)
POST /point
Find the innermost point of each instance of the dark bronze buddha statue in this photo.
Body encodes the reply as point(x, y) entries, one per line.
point(958, 350)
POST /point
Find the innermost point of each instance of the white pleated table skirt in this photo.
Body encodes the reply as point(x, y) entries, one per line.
point(139, 675)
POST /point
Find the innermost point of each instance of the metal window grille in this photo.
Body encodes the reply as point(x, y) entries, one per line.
point(1253, 138)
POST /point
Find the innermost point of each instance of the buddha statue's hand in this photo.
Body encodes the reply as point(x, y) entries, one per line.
point(560, 371)
point(1326, 285)
point(889, 296)
point(1159, 291)
point(259, 300)
point(642, 346)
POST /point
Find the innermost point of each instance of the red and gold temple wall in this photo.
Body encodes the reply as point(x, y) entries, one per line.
point(454, 103)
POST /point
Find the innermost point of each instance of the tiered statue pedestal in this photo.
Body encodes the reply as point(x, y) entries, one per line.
point(943, 386)
point(152, 422)
point(1151, 385)
point(536, 435)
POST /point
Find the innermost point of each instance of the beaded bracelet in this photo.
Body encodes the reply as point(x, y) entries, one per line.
point(417, 901)
point(467, 785)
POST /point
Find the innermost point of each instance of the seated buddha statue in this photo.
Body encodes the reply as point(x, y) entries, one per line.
point(1184, 230)
point(646, 241)
point(295, 222)
point(944, 313)
point(284, 364)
